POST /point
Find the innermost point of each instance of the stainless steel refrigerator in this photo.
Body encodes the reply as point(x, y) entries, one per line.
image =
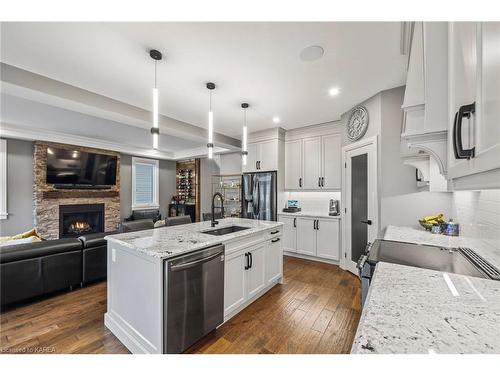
point(259, 196)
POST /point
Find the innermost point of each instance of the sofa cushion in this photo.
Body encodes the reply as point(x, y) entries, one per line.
point(13, 253)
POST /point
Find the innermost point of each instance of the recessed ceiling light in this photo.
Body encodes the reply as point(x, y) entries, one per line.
point(334, 91)
point(312, 53)
point(276, 119)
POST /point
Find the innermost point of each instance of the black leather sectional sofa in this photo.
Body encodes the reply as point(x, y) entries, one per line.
point(35, 269)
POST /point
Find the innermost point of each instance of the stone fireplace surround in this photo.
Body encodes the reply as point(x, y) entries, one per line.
point(47, 198)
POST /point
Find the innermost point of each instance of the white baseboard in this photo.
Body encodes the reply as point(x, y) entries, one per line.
point(126, 339)
point(315, 259)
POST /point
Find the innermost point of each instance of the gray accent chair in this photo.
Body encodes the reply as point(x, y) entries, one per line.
point(135, 225)
point(177, 220)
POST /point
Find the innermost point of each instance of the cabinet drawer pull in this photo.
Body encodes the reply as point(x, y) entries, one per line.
point(300, 182)
point(251, 260)
point(416, 176)
point(275, 240)
point(246, 261)
point(275, 232)
point(295, 222)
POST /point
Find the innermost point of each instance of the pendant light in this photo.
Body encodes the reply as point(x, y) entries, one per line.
point(210, 144)
point(244, 151)
point(155, 130)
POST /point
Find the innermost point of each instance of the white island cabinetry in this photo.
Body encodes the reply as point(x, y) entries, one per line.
point(253, 264)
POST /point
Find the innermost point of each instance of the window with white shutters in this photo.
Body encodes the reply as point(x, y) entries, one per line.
point(144, 183)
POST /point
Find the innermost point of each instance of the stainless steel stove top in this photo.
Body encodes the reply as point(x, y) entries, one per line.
point(454, 260)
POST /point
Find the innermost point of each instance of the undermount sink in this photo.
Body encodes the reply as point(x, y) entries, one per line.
point(226, 230)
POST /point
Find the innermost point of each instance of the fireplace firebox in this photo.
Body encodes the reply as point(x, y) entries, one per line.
point(79, 219)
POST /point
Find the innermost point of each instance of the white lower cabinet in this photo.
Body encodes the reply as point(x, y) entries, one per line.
point(249, 271)
point(234, 281)
point(289, 233)
point(312, 236)
point(306, 236)
point(274, 260)
point(327, 239)
point(256, 272)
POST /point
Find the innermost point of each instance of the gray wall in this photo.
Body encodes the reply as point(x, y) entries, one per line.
point(167, 185)
point(19, 188)
point(400, 202)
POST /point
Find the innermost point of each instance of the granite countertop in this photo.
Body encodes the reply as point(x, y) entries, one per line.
point(309, 214)
point(167, 242)
point(415, 310)
point(421, 236)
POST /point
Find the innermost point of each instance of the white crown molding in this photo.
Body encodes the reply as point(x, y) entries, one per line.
point(334, 127)
point(31, 134)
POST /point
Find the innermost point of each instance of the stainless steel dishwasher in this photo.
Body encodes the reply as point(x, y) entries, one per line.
point(193, 297)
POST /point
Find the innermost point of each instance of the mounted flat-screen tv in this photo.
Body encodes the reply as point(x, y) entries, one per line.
point(78, 168)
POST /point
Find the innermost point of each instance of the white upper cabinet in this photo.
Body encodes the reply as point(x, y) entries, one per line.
point(293, 164)
point(331, 163)
point(474, 105)
point(312, 163)
point(268, 159)
point(252, 158)
point(262, 156)
point(425, 115)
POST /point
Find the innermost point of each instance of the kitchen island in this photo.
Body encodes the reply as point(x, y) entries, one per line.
point(136, 310)
point(416, 310)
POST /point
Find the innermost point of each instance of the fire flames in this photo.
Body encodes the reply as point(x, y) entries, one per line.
point(79, 226)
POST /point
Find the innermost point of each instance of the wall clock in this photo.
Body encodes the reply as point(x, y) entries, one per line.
point(357, 123)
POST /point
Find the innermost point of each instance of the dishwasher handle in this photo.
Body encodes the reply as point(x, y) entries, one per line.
point(183, 266)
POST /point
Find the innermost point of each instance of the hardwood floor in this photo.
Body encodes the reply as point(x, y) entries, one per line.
point(316, 310)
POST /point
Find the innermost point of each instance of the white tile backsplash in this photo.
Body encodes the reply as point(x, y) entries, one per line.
point(312, 201)
point(478, 213)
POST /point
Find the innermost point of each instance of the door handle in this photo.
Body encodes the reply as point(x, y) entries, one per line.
point(295, 222)
point(319, 181)
point(322, 182)
point(258, 165)
point(314, 224)
point(317, 224)
point(183, 266)
point(246, 261)
point(464, 111)
point(369, 222)
point(300, 182)
point(251, 260)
